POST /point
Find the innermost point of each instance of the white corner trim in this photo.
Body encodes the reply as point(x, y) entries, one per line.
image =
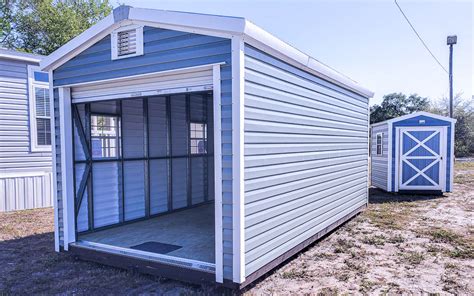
point(389, 159)
point(238, 190)
point(219, 249)
point(32, 84)
point(54, 178)
point(397, 158)
point(369, 159)
point(451, 164)
point(139, 41)
point(69, 225)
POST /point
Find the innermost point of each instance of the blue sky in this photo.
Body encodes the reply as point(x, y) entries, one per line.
point(369, 41)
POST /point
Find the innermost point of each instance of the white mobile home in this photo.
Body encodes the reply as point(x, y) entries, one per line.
point(25, 133)
point(200, 147)
point(413, 153)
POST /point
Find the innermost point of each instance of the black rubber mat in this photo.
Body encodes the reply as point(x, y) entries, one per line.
point(156, 247)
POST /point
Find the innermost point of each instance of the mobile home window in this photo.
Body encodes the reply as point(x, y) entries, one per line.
point(198, 138)
point(379, 144)
point(104, 136)
point(39, 107)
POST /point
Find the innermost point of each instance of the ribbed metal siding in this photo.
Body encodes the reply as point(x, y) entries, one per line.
point(29, 192)
point(20, 192)
point(306, 146)
point(165, 50)
point(379, 163)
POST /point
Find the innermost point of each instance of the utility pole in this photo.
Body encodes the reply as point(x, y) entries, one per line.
point(453, 39)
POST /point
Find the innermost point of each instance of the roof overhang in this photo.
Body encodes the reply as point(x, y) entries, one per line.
point(213, 25)
point(20, 56)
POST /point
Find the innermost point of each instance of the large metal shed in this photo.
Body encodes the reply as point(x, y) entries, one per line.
point(200, 147)
point(413, 153)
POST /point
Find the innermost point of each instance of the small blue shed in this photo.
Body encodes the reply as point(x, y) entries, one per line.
point(414, 152)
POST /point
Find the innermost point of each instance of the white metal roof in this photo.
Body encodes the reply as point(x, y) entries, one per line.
point(20, 56)
point(214, 25)
point(408, 116)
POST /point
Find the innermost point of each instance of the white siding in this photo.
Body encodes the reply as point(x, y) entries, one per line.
point(379, 163)
point(16, 157)
point(306, 156)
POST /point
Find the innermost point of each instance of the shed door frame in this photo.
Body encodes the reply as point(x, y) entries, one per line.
point(399, 162)
point(67, 179)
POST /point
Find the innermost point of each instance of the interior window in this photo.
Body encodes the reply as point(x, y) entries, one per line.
point(379, 144)
point(104, 136)
point(198, 138)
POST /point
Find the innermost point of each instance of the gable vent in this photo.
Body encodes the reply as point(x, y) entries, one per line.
point(127, 42)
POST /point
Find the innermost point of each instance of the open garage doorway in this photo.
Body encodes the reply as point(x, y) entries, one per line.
point(144, 176)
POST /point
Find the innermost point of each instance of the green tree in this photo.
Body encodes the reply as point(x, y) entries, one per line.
point(398, 104)
point(463, 112)
point(42, 26)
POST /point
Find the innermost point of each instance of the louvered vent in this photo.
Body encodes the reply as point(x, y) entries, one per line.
point(127, 42)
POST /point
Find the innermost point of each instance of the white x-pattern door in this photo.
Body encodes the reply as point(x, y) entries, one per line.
point(422, 158)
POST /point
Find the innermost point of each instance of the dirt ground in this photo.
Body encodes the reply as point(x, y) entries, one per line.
point(400, 244)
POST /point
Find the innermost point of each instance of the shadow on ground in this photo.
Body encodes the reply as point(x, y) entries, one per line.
point(29, 265)
point(378, 196)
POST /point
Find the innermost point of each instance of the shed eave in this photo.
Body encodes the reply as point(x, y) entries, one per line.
point(420, 113)
point(224, 26)
point(20, 56)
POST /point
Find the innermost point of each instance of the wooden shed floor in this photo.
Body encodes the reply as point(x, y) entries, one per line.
point(191, 229)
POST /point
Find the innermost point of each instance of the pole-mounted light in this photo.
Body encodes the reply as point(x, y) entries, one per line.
point(453, 39)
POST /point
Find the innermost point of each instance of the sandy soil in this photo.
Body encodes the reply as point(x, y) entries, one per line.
point(400, 244)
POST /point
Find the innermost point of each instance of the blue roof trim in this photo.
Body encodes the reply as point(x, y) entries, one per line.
point(121, 13)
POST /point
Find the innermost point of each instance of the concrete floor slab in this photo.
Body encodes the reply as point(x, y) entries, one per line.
point(192, 229)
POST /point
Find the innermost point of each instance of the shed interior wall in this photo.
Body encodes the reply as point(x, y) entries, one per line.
point(146, 168)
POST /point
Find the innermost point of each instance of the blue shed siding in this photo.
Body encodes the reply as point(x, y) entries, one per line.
point(305, 156)
point(428, 121)
point(166, 50)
